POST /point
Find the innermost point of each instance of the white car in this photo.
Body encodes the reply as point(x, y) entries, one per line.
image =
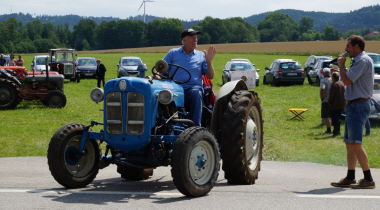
point(375, 114)
point(39, 62)
point(239, 64)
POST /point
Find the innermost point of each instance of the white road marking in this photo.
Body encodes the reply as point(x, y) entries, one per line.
point(91, 192)
point(338, 196)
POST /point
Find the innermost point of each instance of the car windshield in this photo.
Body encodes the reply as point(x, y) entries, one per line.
point(376, 86)
point(41, 61)
point(86, 62)
point(328, 64)
point(375, 58)
point(241, 67)
point(289, 66)
point(131, 62)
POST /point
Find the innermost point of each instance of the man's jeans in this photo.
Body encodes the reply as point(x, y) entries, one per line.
point(193, 103)
point(356, 116)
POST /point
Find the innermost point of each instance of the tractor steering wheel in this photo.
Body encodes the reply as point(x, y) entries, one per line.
point(161, 69)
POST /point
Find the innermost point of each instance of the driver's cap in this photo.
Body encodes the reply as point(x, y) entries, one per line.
point(189, 32)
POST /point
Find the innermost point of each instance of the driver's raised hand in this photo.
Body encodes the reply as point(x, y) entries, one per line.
point(210, 53)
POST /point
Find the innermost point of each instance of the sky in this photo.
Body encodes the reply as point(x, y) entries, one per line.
point(184, 10)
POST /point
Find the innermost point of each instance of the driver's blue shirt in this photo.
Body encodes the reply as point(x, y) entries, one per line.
point(195, 62)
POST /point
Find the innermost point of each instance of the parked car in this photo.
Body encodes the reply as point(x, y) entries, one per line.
point(375, 114)
point(239, 64)
point(39, 63)
point(310, 64)
point(86, 67)
point(315, 75)
point(131, 66)
point(376, 61)
point(284, 71)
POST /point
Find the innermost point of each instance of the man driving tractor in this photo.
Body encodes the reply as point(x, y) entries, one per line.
point(198, 63)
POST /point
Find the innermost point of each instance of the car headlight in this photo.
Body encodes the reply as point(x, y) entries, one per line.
point(165, 97)
point(123, 85)
point(97, 95)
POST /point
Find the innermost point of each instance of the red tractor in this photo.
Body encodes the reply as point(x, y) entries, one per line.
point(17, 84)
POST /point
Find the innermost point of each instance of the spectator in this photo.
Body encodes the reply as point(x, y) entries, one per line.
point(100, 72)
point(20, 61)
point(12, 61)
point(325, 85)
point(336, 103)
point(2, 60)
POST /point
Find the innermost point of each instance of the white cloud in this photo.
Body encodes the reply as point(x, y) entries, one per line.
point(194, 9)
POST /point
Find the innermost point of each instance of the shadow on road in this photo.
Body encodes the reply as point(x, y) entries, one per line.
point(323, 191)
point(117, 190)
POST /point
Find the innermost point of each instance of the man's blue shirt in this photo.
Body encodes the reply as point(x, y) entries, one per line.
point(195, 62)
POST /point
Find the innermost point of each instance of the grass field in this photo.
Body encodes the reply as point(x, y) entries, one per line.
point(26, 131)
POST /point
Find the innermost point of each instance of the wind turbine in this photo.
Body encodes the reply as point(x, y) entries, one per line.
point(143, 4)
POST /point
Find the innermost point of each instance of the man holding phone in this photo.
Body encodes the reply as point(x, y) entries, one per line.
point(359, 87)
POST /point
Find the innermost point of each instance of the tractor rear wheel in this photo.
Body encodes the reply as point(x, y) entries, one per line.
point(67, 164)
point(195, 162)
point(55, 99)
point(133, 173)
point(241, 138)
point(9, 98)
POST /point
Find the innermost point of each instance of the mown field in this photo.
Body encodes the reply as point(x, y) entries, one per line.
point(26, 131)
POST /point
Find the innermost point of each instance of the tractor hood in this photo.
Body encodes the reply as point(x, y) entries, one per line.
point(149, 88)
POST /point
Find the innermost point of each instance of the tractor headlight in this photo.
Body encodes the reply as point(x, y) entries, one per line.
point(165, 97)
point(97, 95)
point(123, 85)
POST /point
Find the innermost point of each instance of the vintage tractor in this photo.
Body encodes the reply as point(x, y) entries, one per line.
point(63, 61)
point(17, 84)
point(146, 126)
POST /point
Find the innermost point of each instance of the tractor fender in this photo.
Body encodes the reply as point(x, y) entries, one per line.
point(221, 101)
point(7, 75)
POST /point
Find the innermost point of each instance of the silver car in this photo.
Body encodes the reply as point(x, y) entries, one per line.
point(39, 62)
point(375, 114)
point(239, 64)
point(131, 66)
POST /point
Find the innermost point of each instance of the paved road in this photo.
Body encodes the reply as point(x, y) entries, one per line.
point(26, 183)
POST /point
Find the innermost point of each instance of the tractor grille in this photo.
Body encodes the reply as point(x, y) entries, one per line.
point(114, 118)
point(68, 68)
point(135, 120)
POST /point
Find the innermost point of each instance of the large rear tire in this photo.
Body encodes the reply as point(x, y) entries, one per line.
point(195, 162)
point(133, 173)
point(9, 98)
point(241, 138)
point(68, 166)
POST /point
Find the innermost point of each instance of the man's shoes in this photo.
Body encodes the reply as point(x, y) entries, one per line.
point(364, 184)
point(336, 134)
point(344, 183)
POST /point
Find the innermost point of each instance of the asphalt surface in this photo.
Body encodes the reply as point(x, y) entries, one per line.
point(26, 183)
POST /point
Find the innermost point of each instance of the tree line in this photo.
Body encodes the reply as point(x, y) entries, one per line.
point(35, 36)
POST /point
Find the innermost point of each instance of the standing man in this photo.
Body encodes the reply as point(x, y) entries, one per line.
point(198, 63)
point(336, 102)
point(359, 86)
point(20, 61)
point(324, 95)
point(2, 60)
point(100, 72)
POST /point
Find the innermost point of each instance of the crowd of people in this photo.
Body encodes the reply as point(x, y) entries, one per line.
point(12, 61)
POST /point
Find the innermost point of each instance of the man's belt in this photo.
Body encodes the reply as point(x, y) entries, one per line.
point(357, 100)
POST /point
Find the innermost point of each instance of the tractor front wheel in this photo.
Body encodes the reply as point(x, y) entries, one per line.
point(67, 164)
point(133, 173)
point(55, 99)
point(9, 98)
point(195, 162)
point(241, 138)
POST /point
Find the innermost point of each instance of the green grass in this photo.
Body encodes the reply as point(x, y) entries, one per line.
point(26, 131)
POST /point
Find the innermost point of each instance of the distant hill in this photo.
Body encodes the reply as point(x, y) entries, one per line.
point(366, 17)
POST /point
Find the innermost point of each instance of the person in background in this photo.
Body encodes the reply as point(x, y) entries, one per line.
point(359, 82)
point(336, 102)
point(12, 61)
point(100, 73)
point(2, 60)
point(324, 93)
point(20, 61)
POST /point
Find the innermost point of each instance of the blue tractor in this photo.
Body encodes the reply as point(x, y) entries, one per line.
point(146, 126)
